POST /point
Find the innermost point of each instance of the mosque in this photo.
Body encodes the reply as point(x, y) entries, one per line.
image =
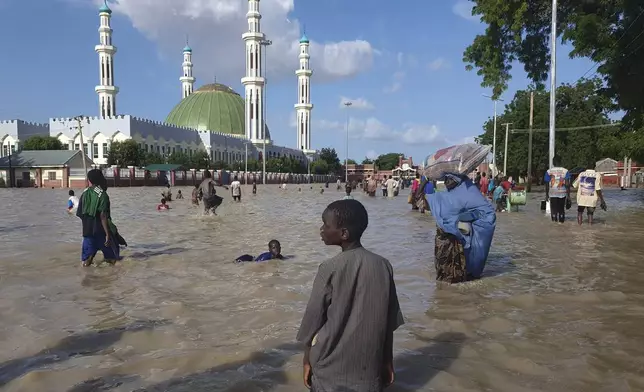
point(213, 118)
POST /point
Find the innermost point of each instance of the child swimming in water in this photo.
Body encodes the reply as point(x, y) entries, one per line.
point(274, 252)
point(348, 190)
point(195, 196)
point(179, 194)
point(72, 202)
point(163, 205)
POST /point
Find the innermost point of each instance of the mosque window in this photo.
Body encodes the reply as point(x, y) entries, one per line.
point(85, 149)
point(76, 146)
point(158, 149)
point(105, 151)
point(95, 149)
point(163, 149)
point(5, 150)
point(147, 148)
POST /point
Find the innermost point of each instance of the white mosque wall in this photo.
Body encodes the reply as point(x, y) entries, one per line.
point(15, 132)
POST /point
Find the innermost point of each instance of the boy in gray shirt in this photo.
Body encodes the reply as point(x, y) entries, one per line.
point(353, 311)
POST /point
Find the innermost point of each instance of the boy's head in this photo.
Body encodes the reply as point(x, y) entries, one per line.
point(275, 248)
point(235, 178)
point(179, 192)
point(347, 189)
point(96, 177)
point(343, 221)
point(206, 174)
point(163, 201)
point(196, 186)
point(71, 192)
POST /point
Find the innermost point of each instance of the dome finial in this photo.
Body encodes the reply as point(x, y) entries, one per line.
point(187, 48)
point(304, 39)
point(104, 8)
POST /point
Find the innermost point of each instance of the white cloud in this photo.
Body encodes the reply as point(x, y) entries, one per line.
point(438, 64)
point(215, 28)
point(397, 82)
point(463, 8)
point(357, 103)
point(371, 154)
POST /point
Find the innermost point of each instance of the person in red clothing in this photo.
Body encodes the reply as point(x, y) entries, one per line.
point(485, 182)
point(163, 205)
point(505, 184)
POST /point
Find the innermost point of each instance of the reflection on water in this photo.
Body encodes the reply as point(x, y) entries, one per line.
point(559, 309)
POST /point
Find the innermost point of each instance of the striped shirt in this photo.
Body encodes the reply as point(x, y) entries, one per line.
point(353, 306)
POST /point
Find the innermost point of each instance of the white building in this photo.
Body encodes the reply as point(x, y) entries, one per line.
point(213, 118)
point(304, 106)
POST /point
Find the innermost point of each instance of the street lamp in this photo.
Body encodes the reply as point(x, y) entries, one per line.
point(553, 85)
point(265, 43)
point(347, 105)
point(494, 141)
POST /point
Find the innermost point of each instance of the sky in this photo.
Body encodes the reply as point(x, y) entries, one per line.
point(399, 63)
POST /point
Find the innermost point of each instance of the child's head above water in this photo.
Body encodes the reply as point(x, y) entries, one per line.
point(275, 248)
point(348, 189)
point(343, 222)
point(163, 201)
point(71, 192)
point(179, 192)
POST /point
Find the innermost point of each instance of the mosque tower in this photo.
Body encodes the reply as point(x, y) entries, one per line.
point(187, 80)
point(254, 80)
point(106, 90)
point(303, 106)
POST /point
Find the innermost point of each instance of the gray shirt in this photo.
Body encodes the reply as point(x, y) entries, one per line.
point(353, 306)
point(207, 188)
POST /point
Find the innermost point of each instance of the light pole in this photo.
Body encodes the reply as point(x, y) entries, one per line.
point(505, 153)
point(265, 43)
point(246, 163)
point(553, 84)
point(347, 105)
point(79, 125)
point(494, 141)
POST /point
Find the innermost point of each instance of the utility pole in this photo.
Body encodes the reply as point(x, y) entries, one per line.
point(346, 159)
point(505, 152)
point(529, 187)
point(79, 125)
point(553, 85)
point(246, 164)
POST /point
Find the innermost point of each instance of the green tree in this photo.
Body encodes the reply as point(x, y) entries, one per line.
point(42, 143)
point(367, 161)
point(351, 162)
point(329, 156)
point(201, 160)
point(388, 161)
point(220, 165)
point(605, 31)
point(126, 153)
point(180, 158)
point(319, 167)
point(150, 158)
point(577, 105)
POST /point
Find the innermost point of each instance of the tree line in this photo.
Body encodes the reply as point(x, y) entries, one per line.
point(608, 32)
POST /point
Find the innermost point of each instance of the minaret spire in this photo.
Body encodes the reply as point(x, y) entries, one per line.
point(254, 80)
point(106, 90)
point(303, 106)
point(187, 80)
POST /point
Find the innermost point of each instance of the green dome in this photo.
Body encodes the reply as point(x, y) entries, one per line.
point(213, 107)
point(105, 8)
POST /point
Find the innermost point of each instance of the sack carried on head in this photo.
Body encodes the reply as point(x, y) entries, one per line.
point(461, 159)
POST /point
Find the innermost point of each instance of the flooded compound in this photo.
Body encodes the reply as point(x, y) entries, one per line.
point(559, 309)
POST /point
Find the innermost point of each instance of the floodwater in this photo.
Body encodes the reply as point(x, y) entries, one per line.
point(560, 307)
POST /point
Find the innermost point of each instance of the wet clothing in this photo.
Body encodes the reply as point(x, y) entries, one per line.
point(93, 202)
point(449, 258)
point(352, 308)
point(558, 209)
point(587, 184)
point(347, 197)
point(262, 257)
point(209, 194)
point(557, 179)
point(464, 203)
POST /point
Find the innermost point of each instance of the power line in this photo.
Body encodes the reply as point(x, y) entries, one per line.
point(568, 129)
point(615, 44)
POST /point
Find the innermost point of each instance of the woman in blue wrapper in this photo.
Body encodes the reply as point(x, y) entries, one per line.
point(465, 222)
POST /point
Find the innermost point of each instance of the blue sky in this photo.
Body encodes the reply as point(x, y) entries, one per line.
point(400, 65)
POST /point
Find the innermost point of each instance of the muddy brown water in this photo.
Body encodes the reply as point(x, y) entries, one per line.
point(560, 307)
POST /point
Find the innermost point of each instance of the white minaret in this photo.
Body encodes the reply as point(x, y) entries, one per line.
point(254, 80)
point(303, 106)
point(106, 90)
point(187, 80)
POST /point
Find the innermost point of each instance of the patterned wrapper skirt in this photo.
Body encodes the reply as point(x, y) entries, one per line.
point(449, 258)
